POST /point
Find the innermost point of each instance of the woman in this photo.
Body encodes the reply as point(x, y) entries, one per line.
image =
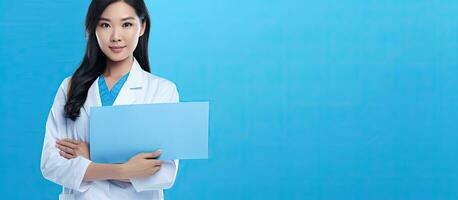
point(114, 71)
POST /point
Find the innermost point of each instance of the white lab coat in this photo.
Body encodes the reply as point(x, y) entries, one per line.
point(140, 87)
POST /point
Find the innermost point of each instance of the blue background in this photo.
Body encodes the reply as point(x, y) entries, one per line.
point(352, 99)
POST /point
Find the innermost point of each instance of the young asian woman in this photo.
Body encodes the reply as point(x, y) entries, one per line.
point(114, 71)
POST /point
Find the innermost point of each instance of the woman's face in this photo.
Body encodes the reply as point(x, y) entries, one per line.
point(118, 31)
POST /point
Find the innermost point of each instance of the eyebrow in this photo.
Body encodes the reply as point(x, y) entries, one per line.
point(123, 19)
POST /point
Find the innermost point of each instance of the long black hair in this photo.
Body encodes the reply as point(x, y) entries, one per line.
point(94, 60)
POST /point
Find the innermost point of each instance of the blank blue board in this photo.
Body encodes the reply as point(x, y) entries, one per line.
point(179, 130)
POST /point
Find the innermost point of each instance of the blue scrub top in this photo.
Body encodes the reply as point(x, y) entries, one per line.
point(109, 96)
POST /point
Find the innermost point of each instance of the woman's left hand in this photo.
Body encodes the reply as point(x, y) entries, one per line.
point(70, 148)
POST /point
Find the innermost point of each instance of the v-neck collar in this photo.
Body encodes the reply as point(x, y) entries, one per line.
point(108, 96)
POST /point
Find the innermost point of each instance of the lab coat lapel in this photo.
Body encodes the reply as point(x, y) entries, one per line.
point(93, 97)
point(132, 86)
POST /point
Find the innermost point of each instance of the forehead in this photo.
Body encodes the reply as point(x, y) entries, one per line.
point(118, 11)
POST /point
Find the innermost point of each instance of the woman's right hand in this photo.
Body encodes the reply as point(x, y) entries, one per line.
point(142, 165)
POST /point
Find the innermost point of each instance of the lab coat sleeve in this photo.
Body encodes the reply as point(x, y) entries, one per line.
point(165, 177)
point(54, 167)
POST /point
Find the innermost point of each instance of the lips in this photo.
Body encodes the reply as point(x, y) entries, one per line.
point(116, 49)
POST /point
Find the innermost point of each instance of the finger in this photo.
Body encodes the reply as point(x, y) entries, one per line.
point(157, 168)
point(144, 155)
point(67, 144)
point(71, 141)
point(76, 141)
point(66, 149)
point(65, 155)
point(154, 154)
point(157, 162)
point(154, 170)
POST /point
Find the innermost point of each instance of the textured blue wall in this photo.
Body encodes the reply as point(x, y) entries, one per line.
point(309, 99)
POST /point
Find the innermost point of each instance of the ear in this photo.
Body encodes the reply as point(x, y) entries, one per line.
point(142, 30)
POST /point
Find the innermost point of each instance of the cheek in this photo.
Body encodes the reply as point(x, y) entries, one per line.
point(102, 38)
point(132, 40)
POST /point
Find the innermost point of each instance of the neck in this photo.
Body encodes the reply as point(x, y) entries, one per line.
point(118, 68)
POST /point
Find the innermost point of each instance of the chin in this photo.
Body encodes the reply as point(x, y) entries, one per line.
point(117, 58)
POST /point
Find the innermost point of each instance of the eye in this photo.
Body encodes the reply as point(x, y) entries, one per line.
point(104, 25)
point(127, 24)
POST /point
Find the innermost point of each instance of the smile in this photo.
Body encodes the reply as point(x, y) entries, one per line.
point(116, 49)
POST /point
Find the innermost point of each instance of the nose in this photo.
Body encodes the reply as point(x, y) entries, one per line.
point(115, 36)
